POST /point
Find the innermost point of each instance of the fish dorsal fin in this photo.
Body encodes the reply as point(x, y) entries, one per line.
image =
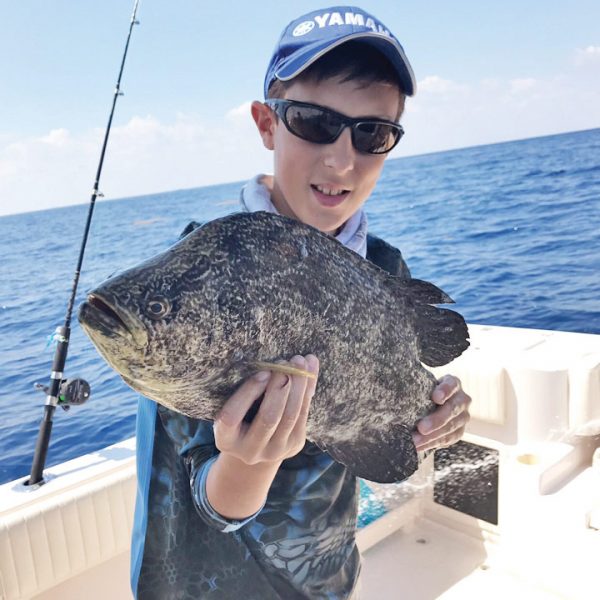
point(425, 292)
point(442, 333)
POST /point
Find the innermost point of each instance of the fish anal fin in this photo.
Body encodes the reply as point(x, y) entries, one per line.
point(382, 456)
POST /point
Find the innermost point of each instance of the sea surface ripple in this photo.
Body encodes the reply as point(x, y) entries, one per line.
point(511, 231)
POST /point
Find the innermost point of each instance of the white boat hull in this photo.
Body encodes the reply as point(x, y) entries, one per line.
point(536, 407)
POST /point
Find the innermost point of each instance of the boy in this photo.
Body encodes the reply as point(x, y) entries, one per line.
point(250, 509)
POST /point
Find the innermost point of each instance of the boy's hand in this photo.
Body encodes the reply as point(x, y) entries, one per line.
point(278, 431)
point(446, 425)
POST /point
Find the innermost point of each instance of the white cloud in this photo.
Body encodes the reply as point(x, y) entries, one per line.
point(56, 137)
point(148, 155)
point(518, 86)
point(144, 155)
point(448, 114)
point(590, 54)
point(435, 84)
point(239, 113)
point(491, 83)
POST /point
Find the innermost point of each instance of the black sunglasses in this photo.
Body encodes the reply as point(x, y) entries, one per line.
point(321, 125)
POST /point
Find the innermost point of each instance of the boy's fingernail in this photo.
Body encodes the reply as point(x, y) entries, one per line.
point(262, 376)
point(437, 396)
point(425, 425)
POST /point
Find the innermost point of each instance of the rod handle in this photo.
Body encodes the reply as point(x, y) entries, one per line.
point(41, 447)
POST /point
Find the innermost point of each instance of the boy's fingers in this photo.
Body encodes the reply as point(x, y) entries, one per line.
point(446, 424)
point(442, 438)
point(298, 434)
point(280, 422)
point(457, 404)
point(436, 420)
point(293, 405)
point(230, 417)
point(447, 386)
point(312, 365)
point(452, 401)
point(269, 414)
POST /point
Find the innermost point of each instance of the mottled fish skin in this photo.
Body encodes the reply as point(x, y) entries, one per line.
point(185, 327)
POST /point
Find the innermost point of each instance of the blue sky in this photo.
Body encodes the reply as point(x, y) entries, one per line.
point(487, 72)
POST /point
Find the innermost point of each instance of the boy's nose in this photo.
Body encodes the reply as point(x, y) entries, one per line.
point(340, 155)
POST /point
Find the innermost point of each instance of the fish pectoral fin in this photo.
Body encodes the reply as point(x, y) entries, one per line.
point(383, 456)
point(283, 368)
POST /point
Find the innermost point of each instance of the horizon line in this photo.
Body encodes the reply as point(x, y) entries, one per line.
point(235, 181)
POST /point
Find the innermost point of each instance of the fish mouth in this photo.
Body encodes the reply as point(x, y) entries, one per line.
point(100, 314)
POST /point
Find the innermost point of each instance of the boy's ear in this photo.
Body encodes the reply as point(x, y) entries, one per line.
point(265, 121)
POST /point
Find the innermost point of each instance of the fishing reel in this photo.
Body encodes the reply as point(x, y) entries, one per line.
point(70, 392)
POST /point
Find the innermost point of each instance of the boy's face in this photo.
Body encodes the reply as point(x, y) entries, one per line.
point(307, 174)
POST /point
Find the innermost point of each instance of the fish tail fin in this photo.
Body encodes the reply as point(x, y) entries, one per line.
point(442, 333)
point(426, 292)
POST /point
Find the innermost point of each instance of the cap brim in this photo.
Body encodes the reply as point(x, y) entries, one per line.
point(389, 47)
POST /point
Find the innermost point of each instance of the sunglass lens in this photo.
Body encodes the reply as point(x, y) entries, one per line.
point(313, 124)
point(375, 138)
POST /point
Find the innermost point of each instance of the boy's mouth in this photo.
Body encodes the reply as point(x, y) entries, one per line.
point(329, 196)
point(330, 191)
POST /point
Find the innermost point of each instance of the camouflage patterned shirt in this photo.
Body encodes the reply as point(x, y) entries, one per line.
point(300, 545)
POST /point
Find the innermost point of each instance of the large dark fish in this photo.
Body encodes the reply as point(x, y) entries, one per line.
point(187, 326)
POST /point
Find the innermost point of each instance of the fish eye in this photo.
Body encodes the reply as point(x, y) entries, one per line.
point(158, 308)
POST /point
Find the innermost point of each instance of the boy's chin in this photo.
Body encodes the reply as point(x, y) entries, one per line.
point(329, 226)
point(327, 220)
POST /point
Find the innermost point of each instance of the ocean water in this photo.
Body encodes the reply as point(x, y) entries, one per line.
point(511, 231)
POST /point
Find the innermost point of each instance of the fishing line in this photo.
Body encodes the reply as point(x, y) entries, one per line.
point(72, 391)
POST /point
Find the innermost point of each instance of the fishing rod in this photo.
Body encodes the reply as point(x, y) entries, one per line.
point(60, 391)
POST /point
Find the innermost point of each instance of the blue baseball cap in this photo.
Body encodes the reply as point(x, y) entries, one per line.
point(310, 36)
